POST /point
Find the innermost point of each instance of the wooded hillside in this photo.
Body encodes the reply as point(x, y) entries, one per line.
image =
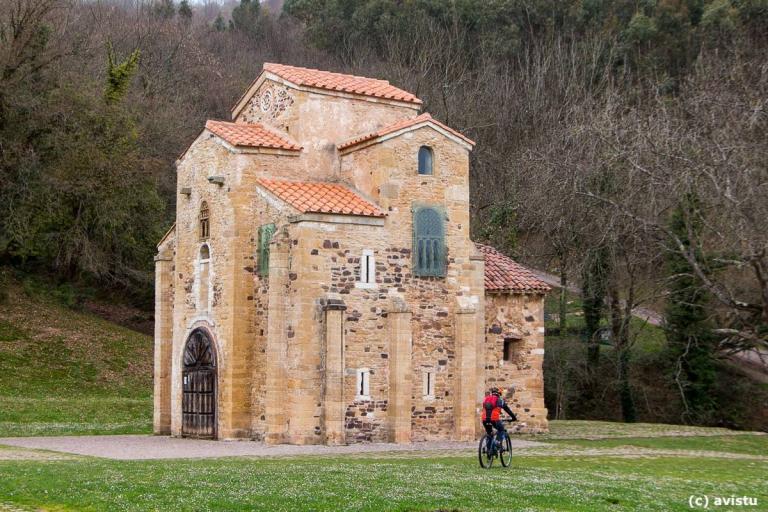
point(621, 144)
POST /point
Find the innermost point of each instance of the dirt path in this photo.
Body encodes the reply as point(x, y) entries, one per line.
point(129, 447)
point(163, 447)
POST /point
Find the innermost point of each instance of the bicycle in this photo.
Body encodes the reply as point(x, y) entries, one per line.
point(490, 448)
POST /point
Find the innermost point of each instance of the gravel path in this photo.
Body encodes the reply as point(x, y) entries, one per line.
point(130, 447)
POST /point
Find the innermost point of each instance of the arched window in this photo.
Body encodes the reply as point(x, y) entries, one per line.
point(203, 278)
point(205, 224)
point(428, 242)
point(425, 160)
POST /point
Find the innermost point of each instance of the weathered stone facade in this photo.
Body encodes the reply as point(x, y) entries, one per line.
point(334, 337)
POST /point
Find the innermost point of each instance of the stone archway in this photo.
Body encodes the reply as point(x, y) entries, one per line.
point(198, 404)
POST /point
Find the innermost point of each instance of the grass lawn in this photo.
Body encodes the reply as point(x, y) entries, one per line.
point(69, 372)
point(576, 482)
point(737, 444)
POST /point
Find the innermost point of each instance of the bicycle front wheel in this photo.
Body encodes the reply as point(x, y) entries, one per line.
point(484, 453)
point(506, 452)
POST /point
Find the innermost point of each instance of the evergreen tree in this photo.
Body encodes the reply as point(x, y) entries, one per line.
point(246, 18)
point(593, 290)
point(119, 75)
point(185, 11)
point(689, 332)
point(164, 9)
point(218, 24)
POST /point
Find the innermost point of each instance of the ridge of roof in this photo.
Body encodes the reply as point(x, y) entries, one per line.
point(503, 274)
point(321, 197)
point(413, 122)
point(251, 135)
point(340, 82)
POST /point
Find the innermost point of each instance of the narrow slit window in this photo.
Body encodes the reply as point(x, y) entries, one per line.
point(205, 221)
point(367, 268)
point(509, 348)
point(429, 385)
point(265, 236)
point(425, 160)
point(363, 384)
point(204, 274)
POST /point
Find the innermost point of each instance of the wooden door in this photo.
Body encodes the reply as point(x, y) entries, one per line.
point(199, 387)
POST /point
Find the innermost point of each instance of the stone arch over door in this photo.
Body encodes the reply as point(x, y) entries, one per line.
point(199, 386)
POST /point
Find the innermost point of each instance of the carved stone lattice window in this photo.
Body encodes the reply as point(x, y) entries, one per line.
point(428, 242)
point(205, 221)
point(269, 104)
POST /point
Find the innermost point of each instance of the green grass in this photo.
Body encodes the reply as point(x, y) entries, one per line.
point(68, 372)
point(742, 444)
point(588, 429)
point(332, 483)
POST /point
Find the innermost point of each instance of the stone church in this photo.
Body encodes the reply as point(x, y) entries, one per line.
point(320, 284)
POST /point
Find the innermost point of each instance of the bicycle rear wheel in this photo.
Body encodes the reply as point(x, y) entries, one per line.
point(483, 453)
point(506, 452)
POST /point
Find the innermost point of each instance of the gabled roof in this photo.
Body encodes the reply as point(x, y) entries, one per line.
point(404, 125)
point(320, 197)
point(340, 82)
point(503, 274)
point(249, 135)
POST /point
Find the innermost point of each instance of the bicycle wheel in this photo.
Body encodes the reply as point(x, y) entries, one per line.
point(506, 452)
point(485, 456)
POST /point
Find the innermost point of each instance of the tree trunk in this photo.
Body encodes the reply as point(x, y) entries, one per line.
point(628, 411)
point(563, 300)
point(622, 348)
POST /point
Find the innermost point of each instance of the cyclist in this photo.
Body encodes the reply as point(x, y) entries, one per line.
point(491, 416)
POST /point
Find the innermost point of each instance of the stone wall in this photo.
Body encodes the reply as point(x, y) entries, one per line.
point(520, 320)
point(319, 120)
point(325, 259)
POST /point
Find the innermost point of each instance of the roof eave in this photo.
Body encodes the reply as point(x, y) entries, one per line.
point(243, 100)
point(369, 140)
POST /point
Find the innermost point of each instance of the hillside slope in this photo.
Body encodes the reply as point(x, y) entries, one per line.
point(69, 372)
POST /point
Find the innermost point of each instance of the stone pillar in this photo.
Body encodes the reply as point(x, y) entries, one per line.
point(163, 342)
point(465, 403)
point(477, 289)
point(333, 400)
point(534, 384)
point(277, 341)
point(400, 371)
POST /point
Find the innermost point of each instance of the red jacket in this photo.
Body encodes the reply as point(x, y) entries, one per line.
point(492, 406)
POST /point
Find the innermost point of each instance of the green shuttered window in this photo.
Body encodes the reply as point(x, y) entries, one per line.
point(428, 242)
point(265, 235)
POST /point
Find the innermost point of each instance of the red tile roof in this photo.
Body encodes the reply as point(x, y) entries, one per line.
point(401, 125)
point(250, 135)
point(318, 197)
point(341, 83)
point(503, 274)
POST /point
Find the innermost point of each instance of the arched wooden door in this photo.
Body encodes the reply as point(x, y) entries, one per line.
point(199, 384)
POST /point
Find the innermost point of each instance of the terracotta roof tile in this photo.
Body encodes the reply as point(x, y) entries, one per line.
point(340, 82)
point(250, 135)
point(400, 125)
point(502, 273)
point(319, 197)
